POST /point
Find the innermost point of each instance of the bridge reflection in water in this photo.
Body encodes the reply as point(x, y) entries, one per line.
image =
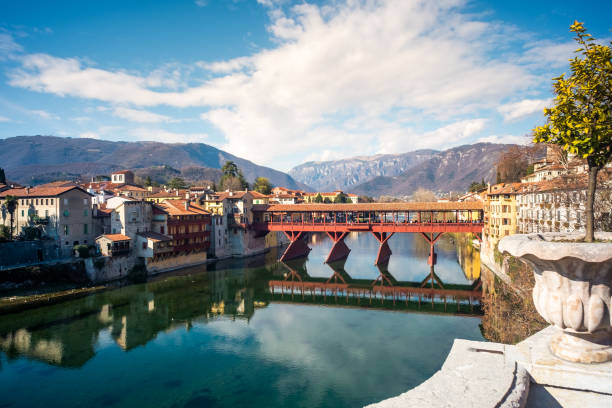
point(68, 334)
point(430, 294)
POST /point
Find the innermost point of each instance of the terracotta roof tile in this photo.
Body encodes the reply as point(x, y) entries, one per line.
point(115, 237)
point(40, 191)
point(466, 205)
point(177, 207)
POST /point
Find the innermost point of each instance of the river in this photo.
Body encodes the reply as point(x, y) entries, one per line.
point(214, 336)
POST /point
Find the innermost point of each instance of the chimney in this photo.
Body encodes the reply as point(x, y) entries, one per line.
point(28, 190)
point(187, 196)
point(231, 193)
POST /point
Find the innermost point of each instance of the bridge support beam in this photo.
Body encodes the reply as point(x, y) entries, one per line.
point(384, 252)
point(297, 247)
point(339, 250)
point(431, 238)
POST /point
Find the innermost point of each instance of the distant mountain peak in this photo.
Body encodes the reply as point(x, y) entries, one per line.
point(30, 158)
point(401, 174)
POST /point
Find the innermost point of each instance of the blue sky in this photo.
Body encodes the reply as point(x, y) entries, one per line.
point(282, 82)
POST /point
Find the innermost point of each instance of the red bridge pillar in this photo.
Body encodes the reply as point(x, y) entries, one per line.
point(339, 250)
point(297, 248)
point(384, 252)
point(432, 253)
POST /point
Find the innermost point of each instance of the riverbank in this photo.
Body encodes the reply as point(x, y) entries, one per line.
point(14, 304)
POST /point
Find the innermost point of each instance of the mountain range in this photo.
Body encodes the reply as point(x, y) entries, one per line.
point(401, 174)
point(39, 159)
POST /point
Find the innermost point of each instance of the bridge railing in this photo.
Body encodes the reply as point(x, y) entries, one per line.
point(386, 223)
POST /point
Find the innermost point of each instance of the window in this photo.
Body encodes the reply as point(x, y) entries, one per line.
point(66, 230)
point(85, 212)
point(65, 201)
point(46, 213)
point(85, 228)
point(46, 201)
point(51, 201)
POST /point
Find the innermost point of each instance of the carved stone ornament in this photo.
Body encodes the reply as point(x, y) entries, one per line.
point(572, 290)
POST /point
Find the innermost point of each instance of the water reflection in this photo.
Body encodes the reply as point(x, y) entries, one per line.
point(224, 328)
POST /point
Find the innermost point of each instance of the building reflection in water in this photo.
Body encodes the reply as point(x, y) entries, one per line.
point(67, 334)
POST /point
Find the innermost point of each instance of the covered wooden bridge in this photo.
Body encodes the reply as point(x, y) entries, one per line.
point(430, 219)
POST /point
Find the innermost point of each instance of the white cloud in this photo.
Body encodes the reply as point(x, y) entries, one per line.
point(201, 3)
point(520, 109)
point(350, 62)
point(4, 119)
point(44, 114)
point(142, 116)
point(89, 135)
point(508, 139)
point(225, 67)
point(161, 135)
point(8, 45)
point(548, 53)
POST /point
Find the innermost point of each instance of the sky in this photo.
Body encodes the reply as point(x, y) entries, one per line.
point(281, 82)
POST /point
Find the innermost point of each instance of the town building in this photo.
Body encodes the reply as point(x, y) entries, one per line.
point(132, 217)
point(164, 195)
point(259, 198)
point(330, 197)
point(101, 217)
point(189, 227)
point(132, 191)
point(122, 177)
point(114, 245)
point(559, 205)
point(61, 213)
point(500, 211)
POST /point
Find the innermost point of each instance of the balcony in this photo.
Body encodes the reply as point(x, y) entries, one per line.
point(119, 252)
point(40, 220)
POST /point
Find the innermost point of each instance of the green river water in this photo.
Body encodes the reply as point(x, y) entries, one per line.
point(214, 336)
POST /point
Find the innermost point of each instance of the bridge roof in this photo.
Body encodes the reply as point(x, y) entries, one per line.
point(425, 206)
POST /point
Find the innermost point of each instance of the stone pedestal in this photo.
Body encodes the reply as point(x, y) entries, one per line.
point(572, 291)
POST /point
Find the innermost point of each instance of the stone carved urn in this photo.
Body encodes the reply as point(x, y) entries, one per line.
point(572, 290)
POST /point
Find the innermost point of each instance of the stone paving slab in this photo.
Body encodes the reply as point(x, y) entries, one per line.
point(546, 369)
point(541, 396)
point(475, 374)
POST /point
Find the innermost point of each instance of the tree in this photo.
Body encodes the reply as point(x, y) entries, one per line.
point(318, 198)
point(365, 199)
point(476, 186)
point(340, 198)
point(423, 195)
point(148, 182)
point(327, 200)
point(581, 119)
point(262, 185)
point(11, 206)
point(177, 183)
point(230, 169)
point(2, 176)
point(512, 165)
point(230, 183)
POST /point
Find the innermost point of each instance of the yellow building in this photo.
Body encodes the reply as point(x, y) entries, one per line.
point(501, 211)
point(163, 195)
point(311, 197)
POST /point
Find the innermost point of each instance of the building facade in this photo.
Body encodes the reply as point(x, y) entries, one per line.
point(60, 213)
